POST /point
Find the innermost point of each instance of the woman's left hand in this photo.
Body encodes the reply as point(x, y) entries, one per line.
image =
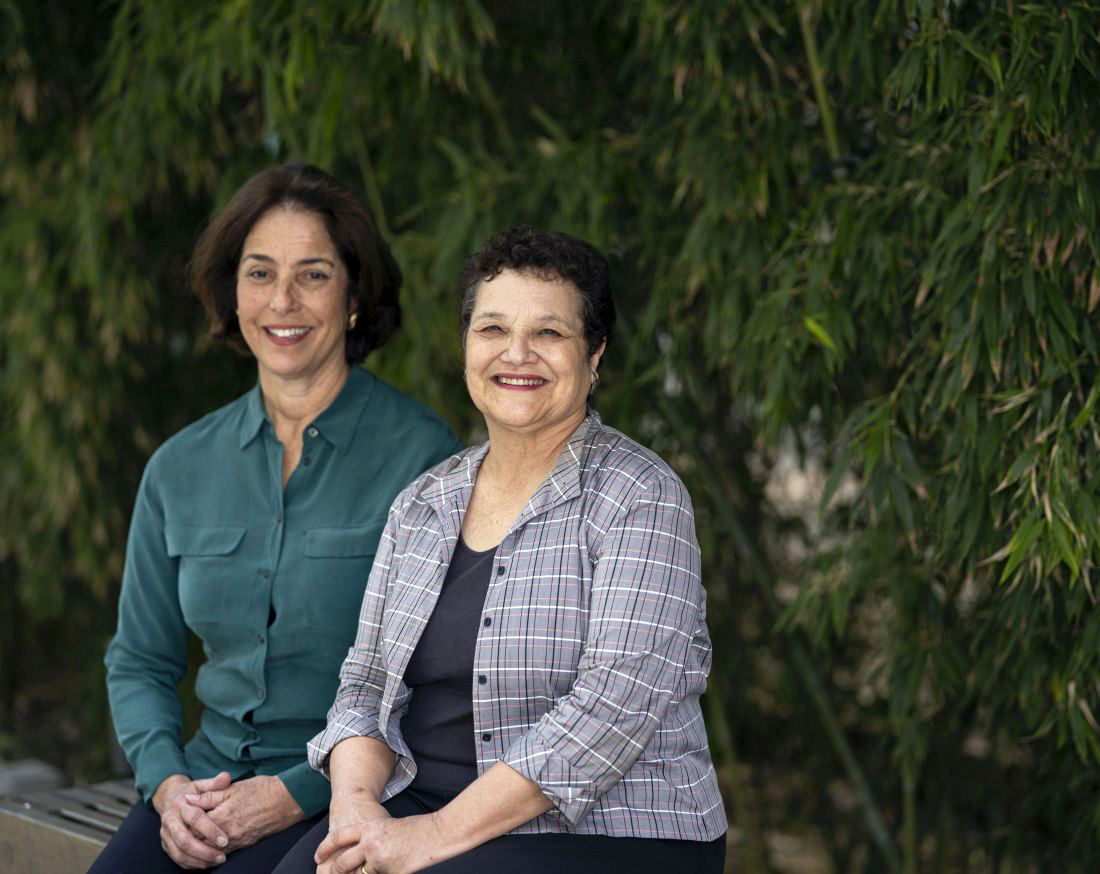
point(250, 809)
point(382, 846)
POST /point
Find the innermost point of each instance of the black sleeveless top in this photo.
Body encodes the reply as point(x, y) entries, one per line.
point(439, 724)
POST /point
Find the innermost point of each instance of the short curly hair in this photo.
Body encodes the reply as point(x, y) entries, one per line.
point(374, 279)
point(547, 255)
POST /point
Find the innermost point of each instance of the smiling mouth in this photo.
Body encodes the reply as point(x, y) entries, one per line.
point(287, 333)
point(520, 381)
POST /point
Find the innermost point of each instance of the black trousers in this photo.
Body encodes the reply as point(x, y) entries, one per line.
point(541, 854)
point(135, 848)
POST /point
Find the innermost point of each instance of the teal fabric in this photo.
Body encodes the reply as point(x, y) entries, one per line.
point(218, 546)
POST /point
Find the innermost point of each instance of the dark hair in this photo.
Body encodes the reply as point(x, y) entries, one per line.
point(547, 255)
point(374, 278)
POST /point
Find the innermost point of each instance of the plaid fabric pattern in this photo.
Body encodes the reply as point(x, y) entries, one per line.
point(593, 646)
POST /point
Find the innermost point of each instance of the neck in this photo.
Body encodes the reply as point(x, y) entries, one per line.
point(519, 456)
point(291, 404)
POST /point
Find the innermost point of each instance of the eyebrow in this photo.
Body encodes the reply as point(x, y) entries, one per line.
point(258, 257)
point(546, 318)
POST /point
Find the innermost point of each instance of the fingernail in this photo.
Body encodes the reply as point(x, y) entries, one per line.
point(220, 859)
point(222, 840)
point(191, 797)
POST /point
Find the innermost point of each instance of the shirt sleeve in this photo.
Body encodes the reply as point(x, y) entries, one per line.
point(646, 602)
point(147, 657)
point(310, 789)
point(355, 712)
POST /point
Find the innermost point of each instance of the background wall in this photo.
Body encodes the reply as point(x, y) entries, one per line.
point(855, 252)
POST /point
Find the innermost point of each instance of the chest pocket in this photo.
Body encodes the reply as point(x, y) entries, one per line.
point(338, 564)
point(208, 566)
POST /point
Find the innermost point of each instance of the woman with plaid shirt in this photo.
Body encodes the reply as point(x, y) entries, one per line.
point(523, 692)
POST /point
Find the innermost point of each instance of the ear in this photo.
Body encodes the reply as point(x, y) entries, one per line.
point(594, 358)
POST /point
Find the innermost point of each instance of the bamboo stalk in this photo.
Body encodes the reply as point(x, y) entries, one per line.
point(370, 184)
point(909, 820)
point(817, 76)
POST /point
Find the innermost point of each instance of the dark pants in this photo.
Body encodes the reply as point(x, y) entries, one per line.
point(541, 854)
point(135, 848)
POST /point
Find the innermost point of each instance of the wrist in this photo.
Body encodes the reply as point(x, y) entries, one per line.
point(351, 809)
point(440, 841)
point(167, 788)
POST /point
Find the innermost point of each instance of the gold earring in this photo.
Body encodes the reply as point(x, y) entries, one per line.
point(352, 319)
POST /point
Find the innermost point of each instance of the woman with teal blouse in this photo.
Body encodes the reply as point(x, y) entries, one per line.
point(255, 527)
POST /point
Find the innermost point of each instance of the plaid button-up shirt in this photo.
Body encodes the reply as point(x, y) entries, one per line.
point(593, 641)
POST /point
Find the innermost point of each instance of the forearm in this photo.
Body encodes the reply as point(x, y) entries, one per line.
point(360, 766)
point(495, 803)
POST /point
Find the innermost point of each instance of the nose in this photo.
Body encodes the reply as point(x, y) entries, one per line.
point(283, 297)
point(518, 349)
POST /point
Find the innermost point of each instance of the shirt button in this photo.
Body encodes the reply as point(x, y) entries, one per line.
point(488, 736)
point(482, 679)
point(312, 432)
point(259, 693)
point(305, 461)
point(488, 621)
point(500, 569)
point(259, 638)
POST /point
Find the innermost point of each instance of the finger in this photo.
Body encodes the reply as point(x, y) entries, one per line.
point(186, 842)
point(207, 800)
point(350, 861)
point(184, 860)
point(218, 781)
point(202, 826)
point(342, 862)
point(334, 841)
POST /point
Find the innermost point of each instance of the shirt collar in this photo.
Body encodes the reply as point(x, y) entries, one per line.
point(336, 424)
point(562, 483)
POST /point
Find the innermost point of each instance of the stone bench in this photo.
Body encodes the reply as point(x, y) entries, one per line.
point(61, 831)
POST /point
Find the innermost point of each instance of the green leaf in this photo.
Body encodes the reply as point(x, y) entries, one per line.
point(819, 333)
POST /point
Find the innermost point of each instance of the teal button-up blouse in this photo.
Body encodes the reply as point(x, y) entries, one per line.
point(269, 579)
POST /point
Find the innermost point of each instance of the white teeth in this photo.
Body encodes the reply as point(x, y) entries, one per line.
point(507, 380)
point(286, 333)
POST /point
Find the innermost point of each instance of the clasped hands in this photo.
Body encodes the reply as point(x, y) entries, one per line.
point(203, 820)
point(364, 837)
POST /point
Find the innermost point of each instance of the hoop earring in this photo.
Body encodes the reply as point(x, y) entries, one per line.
point(352, 319)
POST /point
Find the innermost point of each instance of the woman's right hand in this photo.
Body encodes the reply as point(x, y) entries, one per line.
point(187, 833)
point(346, 812)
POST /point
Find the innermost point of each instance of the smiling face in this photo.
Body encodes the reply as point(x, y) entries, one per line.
point(292, 300)
point(527, 366)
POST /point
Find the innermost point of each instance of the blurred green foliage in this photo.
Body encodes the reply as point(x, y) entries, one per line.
point(860, 235)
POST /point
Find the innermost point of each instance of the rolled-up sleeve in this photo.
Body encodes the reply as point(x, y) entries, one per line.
point(356, 710)
point(646, 601)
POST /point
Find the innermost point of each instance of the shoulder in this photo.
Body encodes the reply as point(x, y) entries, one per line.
point(612, 463)
point(452, 473)
point(189, 455)
point(403, 416)
point(209, 433)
